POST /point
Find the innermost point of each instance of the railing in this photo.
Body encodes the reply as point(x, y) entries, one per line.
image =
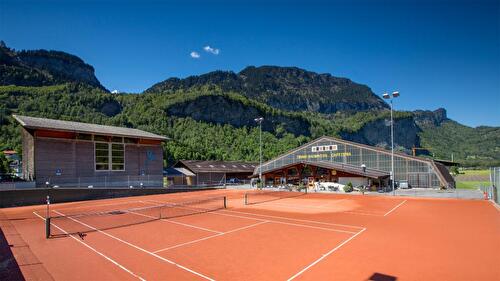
point(495, 184)
point(146, 181)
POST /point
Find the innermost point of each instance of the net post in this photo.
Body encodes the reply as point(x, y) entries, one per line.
point(225, 202)
point(246, 198)
point(47, 228)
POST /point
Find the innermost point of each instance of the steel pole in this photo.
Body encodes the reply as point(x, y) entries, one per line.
point(392, 152)
point(260, 151)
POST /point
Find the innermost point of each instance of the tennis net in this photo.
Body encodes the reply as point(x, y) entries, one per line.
point(266, 196)
point(79, 223)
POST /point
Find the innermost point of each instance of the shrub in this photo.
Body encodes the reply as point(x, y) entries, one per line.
point(348, 187)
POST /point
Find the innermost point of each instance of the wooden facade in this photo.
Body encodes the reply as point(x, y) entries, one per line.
point(69, 159)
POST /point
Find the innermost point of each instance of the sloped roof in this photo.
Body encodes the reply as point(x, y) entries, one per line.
point(178, 172)
point(198, 166)
point(79, 127)
point(352, 169)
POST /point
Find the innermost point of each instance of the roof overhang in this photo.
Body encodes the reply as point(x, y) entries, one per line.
point(352, 169)
point(35, 123)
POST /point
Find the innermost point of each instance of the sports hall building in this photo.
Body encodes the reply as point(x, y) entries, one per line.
point(329, 159)
point(74, 154)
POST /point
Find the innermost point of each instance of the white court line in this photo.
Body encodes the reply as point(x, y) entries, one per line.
point(326, 255)
point(397, 206)
point(323, 207)
point(94, 250)
point(175, 222)
point(139, 248)
point(302, 206)
point(495, 205)
point(362, 213)
point(301, 220)
point(289, 223)
point(280, 222)
point(208, 237)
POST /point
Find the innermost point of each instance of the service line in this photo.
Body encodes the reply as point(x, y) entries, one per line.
point(139, 248)
point(397, 206)
point(326, 255)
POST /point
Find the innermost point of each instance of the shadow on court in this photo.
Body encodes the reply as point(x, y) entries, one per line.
point(381, 277)
point(9, 269)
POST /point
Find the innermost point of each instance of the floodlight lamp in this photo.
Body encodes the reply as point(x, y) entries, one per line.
point(395, 94)
point(386, 96)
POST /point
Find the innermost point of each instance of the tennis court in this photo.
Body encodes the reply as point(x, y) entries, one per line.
point(250, 235)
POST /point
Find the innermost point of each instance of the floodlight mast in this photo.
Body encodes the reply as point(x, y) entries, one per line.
point(259, 120)
point(394, 95)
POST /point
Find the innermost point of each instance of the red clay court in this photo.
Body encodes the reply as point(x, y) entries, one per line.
point(306, 237)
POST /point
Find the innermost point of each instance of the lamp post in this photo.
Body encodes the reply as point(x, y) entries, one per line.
point(259, 120)
point(394, 95)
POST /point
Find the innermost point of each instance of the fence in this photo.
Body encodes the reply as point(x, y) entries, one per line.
point(146, 181)
point(495, 184)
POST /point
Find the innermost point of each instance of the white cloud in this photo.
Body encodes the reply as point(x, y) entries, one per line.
point(194, 55)
point(211, 50)
point(115, 92)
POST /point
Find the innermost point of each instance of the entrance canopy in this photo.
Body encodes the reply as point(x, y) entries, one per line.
point(347, 168)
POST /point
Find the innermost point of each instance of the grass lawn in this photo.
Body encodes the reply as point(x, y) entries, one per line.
point(485, 172)
point(471, 184)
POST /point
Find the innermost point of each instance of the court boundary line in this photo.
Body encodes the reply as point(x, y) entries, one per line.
point(280, 222)
point(93, 249)
point(141, 249)
point(211, 236)
point(301, 220)
point(322, 207)
point(179, 223)
point(326, 255)
point(393, 209)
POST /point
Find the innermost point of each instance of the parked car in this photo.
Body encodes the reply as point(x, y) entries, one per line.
point(403, 184)
point(8, 178)
point(233, 181)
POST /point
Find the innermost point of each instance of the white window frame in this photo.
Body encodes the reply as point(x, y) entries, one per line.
point(110, 157)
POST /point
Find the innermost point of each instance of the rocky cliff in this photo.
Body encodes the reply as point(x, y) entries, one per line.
point(286, 88)
point(42, 68)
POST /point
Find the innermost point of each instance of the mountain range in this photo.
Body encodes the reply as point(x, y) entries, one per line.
point(211, 116)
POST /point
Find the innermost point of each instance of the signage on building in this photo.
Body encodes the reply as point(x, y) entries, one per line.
point(321, 148)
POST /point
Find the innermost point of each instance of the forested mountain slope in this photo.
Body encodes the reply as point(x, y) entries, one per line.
point(211, 116)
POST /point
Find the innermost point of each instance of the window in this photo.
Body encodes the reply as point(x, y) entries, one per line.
point(117, 157)
point(116, 139)
point(130, 140)
point(101, 138)
point(84, 137)
point(101, 156)
point(109, 156)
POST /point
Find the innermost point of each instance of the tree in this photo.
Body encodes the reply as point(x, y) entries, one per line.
point(4, 164)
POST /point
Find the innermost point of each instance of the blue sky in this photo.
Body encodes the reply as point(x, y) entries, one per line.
point(436, 53)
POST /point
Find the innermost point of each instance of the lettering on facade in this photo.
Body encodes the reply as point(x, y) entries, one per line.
point(324, 155)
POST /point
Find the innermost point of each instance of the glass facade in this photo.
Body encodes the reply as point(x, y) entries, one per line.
point(418, 172)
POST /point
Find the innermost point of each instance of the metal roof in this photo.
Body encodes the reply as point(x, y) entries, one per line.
point(177, 172)
point(352, 169)
point(198, 166)
point(79, 127)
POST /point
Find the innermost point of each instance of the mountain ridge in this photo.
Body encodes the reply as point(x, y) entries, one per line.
point(210, 116)
point(287, 88)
